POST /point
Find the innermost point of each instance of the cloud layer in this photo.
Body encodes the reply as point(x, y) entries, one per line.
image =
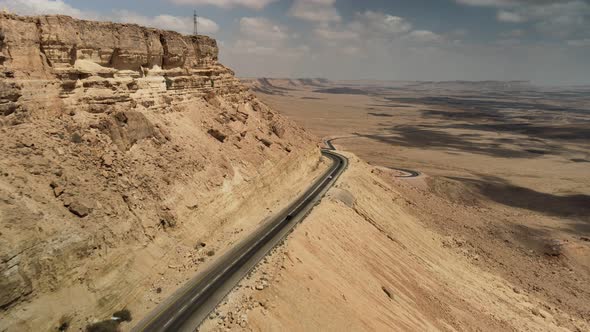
point(544, 40)
point(38, 7)
point(319, 11)
point(552, 17)
point(254, 4)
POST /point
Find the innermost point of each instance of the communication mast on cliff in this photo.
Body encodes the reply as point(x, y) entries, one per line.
point(196, 23)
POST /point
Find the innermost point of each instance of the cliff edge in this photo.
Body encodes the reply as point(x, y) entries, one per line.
point(130, 158)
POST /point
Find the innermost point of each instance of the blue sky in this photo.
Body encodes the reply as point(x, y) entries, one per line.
point(546, 41)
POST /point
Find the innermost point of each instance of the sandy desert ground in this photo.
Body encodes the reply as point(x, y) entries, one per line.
point(494, 235)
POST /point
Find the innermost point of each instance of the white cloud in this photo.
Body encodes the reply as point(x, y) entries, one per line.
point(42, 7)
point(459, 33)
point(561, 19)
point(505, 3)
point(319, 11)
point(553, 17)
point(513, 33)
point(166, 22)
point(510, 17)
point(252, 47)
point(351, 50)
point(262, 47)
point(331, 34)
point(263, 29)
point(367, 26)
point(373, 32)
point(377, 24)
point(424, 36)
point(508, 42)
point(253, 4)
point(579, 42)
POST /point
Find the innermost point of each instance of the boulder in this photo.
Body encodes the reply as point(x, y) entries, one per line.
point(278, 129)
point(13, 283)
point(129, 127)
point(218, 135)
point(79, 208)
point(168, 219)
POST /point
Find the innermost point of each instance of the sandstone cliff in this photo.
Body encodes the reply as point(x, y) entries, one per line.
point(95, 65)
point(130, 156)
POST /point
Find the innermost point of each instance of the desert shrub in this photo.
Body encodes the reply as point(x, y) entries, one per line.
point(104, 326)
point(76, 138)
point(64, 323)
point(123, 315)
point(111, 325)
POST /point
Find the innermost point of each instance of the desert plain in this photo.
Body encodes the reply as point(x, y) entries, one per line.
point(504, 187)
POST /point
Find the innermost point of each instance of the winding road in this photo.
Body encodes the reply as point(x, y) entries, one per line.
point(408, 172)
point(190, 305)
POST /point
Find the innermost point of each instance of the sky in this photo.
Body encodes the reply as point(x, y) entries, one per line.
point(547, 42)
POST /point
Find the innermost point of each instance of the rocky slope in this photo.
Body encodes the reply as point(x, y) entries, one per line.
point(130, 156)
point(363, 260)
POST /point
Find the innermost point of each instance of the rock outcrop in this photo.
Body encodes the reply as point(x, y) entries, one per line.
point(122, 147)
point(93, 66)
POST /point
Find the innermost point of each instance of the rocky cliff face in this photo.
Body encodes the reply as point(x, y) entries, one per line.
point(123, 148)
point(95, 65)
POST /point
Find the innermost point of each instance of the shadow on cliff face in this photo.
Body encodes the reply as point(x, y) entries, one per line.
point(421, 137)
point(574, 207)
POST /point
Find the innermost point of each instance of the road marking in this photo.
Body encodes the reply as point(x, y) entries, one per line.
point(169, 322)
point(314, 191)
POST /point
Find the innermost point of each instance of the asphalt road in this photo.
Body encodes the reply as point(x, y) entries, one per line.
point(408, 172)
point(190, 305)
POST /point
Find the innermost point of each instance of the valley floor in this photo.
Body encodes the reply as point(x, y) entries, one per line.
point(493, 236)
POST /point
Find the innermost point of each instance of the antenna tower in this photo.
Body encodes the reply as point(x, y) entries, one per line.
point(196, 23)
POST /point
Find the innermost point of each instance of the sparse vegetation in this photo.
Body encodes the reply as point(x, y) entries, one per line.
point(64, 323)
point(112, 324)
point(123, 315)
point(104, 326)
point(76, 138)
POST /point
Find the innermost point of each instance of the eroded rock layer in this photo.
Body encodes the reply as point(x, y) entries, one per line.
point(124, 149)
point(93, 65)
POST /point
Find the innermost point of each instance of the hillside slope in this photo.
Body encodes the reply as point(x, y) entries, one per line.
point(363, 261)
point(130, 157)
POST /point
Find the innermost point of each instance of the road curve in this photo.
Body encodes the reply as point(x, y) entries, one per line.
point(408, 172)
point(191, 304)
